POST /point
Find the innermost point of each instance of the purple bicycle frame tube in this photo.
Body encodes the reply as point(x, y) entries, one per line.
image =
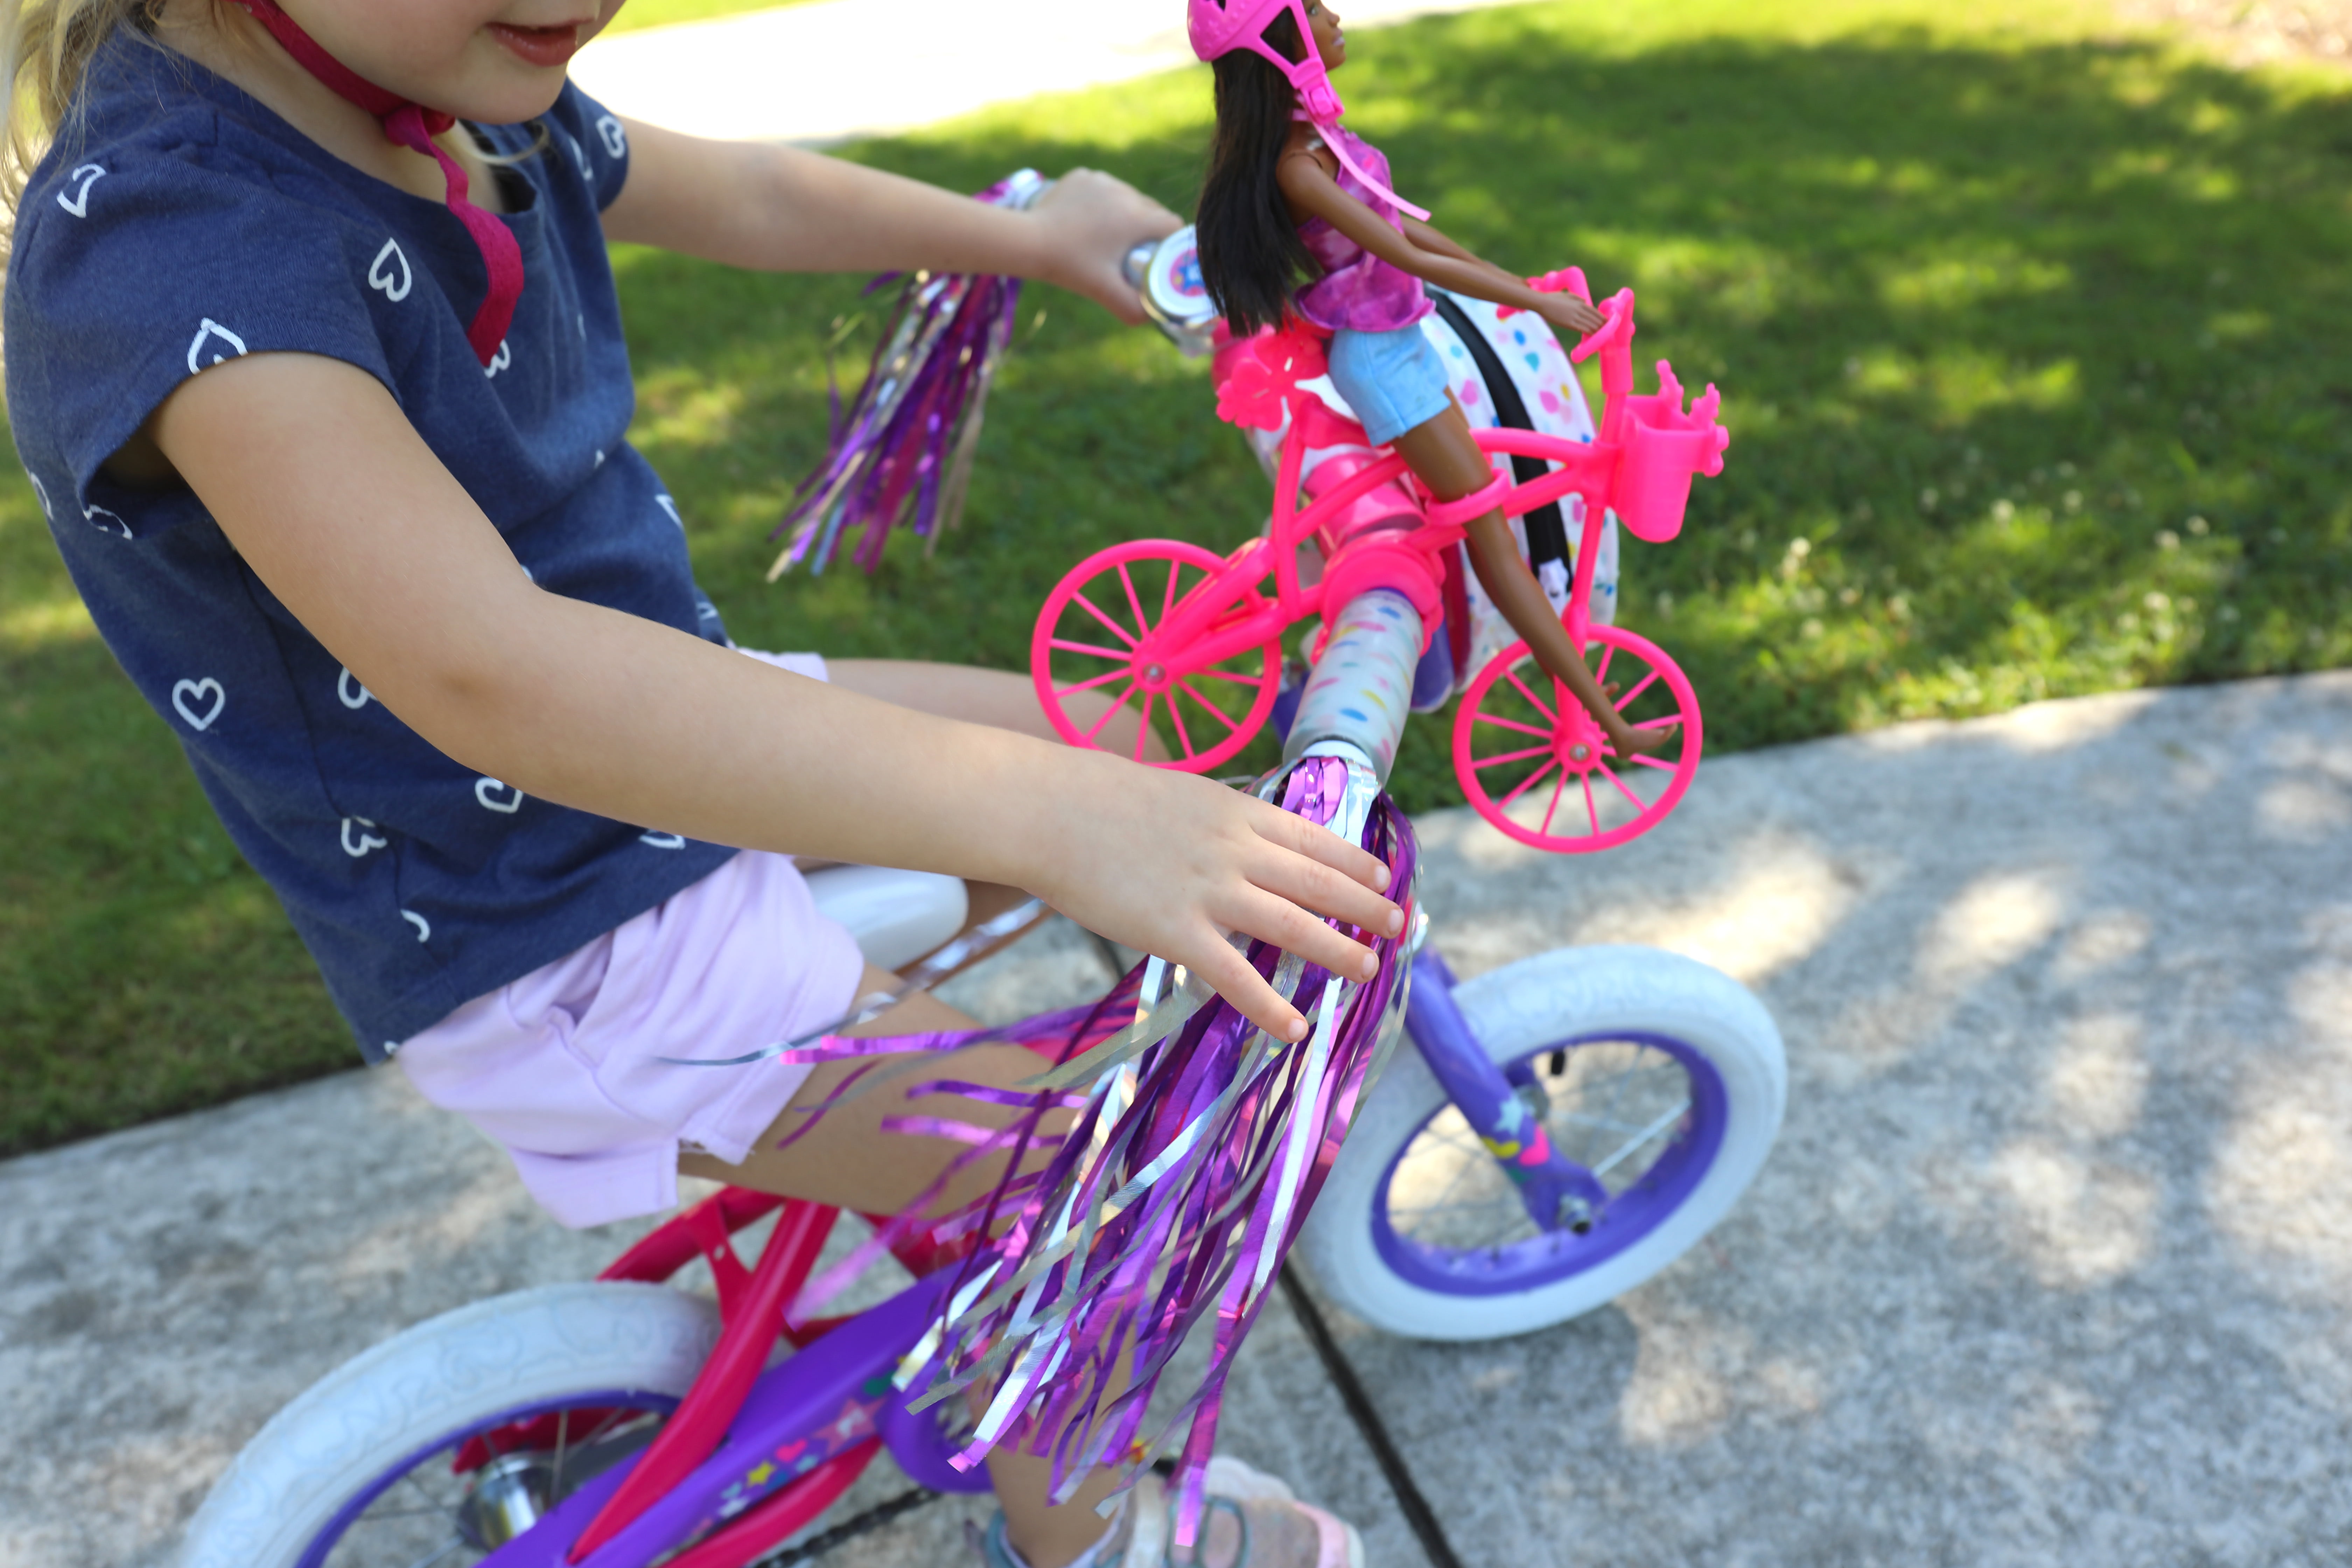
point(802, 1411)
point(1552, 1186)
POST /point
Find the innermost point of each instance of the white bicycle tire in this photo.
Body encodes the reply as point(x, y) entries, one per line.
point(349, 1428)
point(1515, 1010)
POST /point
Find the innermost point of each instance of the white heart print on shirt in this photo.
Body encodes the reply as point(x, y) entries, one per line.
point(206, 331)
point(661, 840)
point(423, 927)
point(487, 791)
point(187, 695)
point(357, 844)
point(499, 360)
point(380, 277)
point(78, 203)
point(350, 692)
point(616, 141)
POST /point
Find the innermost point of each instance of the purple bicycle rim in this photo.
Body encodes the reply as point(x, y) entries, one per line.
point(315, 1554)
point(1547, 1258)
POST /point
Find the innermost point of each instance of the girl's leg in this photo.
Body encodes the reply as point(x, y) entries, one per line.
point(848, 1161)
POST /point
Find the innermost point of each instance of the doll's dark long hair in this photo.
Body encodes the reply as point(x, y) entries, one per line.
point(1251, 255)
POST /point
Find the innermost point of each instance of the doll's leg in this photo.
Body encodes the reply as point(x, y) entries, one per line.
point(1443, 452)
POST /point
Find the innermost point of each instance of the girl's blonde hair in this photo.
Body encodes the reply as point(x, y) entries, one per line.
point(44, 48)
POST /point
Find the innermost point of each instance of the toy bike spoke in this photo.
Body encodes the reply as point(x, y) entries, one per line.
point(1176, 717)
point(1117, 703)
point(1142, 621)
point(1651, 763)
point(1591, 806)
point(1494, 762)
point(1551, 806)
point(1656, 723)
point(1143, 726)
point(1226, 675)
point(1069, 646)
point(1639, 803)
point(1608, 652)
point(1513, 677)
point(1167, 599)
point(1512, 724)
point(1640, 687)
point(1089, 685)
point(1186, 687)
point(1527, 782)
point(1116, 629)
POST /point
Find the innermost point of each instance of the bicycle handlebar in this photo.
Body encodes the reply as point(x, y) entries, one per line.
point(1361, 688)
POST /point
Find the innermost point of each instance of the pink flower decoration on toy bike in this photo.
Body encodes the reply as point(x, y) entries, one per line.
point(1262, 373)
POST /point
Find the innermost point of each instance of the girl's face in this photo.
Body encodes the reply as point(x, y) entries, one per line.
point(1330, 42)
point(495, 61)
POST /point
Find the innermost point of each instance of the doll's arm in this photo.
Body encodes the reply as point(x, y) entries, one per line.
point(780, 209)
point(315, 475)
point(1311, 189)
point(1428, 237)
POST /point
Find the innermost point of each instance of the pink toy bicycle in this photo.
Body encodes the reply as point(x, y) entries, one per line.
point(1191, 640)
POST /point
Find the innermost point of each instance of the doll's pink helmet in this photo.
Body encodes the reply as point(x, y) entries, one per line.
point(1219, 26)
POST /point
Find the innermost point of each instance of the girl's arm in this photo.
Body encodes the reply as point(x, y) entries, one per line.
point(780, 209)
point(324, 487)
point(1311, 189)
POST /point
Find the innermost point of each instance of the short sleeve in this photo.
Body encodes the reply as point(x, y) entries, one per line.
point(595, 140)
point(138, 266)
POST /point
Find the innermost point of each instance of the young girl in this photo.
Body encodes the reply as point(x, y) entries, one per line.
point(324, 393)
point(1289, 192)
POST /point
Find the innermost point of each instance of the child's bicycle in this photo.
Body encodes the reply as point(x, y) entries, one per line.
point(1193, 640)
point(1564, 1127)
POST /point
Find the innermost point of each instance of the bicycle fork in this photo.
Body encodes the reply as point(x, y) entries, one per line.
point(1354, 706)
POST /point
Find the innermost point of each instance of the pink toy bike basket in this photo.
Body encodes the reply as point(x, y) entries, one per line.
point(1664, 448)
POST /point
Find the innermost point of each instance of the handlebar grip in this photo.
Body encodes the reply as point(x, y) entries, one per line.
point(1362, 685)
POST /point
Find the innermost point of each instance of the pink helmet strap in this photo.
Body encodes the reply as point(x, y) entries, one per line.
point(1319, 101)
point(410, 125)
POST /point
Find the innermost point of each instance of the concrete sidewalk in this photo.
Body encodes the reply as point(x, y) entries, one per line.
point(841, 69)
point(2052, 1263)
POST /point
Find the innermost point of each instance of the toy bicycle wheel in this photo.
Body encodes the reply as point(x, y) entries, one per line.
point(1107, 677)
point(1534, 764)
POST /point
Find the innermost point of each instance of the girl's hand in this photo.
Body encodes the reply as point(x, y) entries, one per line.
point(1568, 313)
point(1170, 864)
point(1090, 221)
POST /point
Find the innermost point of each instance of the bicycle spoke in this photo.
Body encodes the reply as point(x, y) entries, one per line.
point(1653, 762)
point(1186, 687)
point(1608, 652)
point(562, 1432)
point(1483, 717)
point(1116, 704)
point(1511, 757)
point(1142, 622)
point(1168, 600)
point(1513, 677)
point(1591, 811)
point(1552, 808)
point(1651, 1131)
point(1143, 726)
point(1639, 803)
point(1114, 629)
point(1229, 675)
point(430, 1558)
point(1657, 723)
point(1069, 646)
point(1525, 783)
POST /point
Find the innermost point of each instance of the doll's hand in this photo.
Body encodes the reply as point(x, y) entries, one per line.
point(1169, 864)
point(1568, 313)
point(1091, 220)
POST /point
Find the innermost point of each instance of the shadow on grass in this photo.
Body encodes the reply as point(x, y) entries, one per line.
point(2032, 355)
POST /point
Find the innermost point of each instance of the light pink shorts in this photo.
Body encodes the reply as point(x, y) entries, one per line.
point(562, 1068)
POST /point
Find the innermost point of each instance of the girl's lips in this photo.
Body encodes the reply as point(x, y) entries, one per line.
point(539, 46)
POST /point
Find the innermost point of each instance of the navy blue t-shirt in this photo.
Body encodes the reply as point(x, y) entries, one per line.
point(187, 224)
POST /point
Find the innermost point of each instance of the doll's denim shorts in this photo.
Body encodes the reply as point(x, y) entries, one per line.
point(1393, 380)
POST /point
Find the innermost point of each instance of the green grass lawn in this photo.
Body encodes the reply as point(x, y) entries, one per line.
point(2031, 336)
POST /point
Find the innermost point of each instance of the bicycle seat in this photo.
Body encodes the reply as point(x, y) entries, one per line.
point(896, 916)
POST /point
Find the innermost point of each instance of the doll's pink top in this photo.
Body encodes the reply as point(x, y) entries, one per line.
point(1357, 289)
